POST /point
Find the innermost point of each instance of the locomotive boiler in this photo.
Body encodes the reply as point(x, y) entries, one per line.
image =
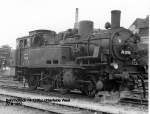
point(81, 59)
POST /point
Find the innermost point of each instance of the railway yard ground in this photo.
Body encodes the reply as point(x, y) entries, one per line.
point(15, 98)
point(19, 110)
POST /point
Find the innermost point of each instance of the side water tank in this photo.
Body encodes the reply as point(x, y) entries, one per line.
point(85, 29)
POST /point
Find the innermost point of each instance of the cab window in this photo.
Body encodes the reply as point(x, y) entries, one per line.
point(21, 43)
point(25, 43)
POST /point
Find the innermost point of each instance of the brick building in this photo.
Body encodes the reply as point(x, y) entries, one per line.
point(141, 26)
point(4, 55)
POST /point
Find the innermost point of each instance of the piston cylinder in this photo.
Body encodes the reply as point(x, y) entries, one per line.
point(115, 19)
point(85, 29)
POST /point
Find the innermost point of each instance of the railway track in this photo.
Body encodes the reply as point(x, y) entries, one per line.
point(137, 97)
point(76, 94)
point(80, 105)
point(134, 101)
point(125, 101)
point(120, 108)
point(44, 106)
point(19, 108)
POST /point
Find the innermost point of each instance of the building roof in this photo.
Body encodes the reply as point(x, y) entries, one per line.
point(141, 23)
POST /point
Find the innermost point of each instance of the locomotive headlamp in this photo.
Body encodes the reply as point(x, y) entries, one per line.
point(115, 65)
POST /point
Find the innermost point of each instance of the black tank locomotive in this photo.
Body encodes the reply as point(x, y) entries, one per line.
point(81, 59)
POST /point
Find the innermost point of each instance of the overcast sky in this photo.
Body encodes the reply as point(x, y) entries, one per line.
point(18, 17)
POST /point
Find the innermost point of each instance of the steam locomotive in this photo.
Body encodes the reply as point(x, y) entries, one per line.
point(82, 59)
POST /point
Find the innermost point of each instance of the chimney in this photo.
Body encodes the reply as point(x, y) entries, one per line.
point(115, 19)
point(76, 19)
